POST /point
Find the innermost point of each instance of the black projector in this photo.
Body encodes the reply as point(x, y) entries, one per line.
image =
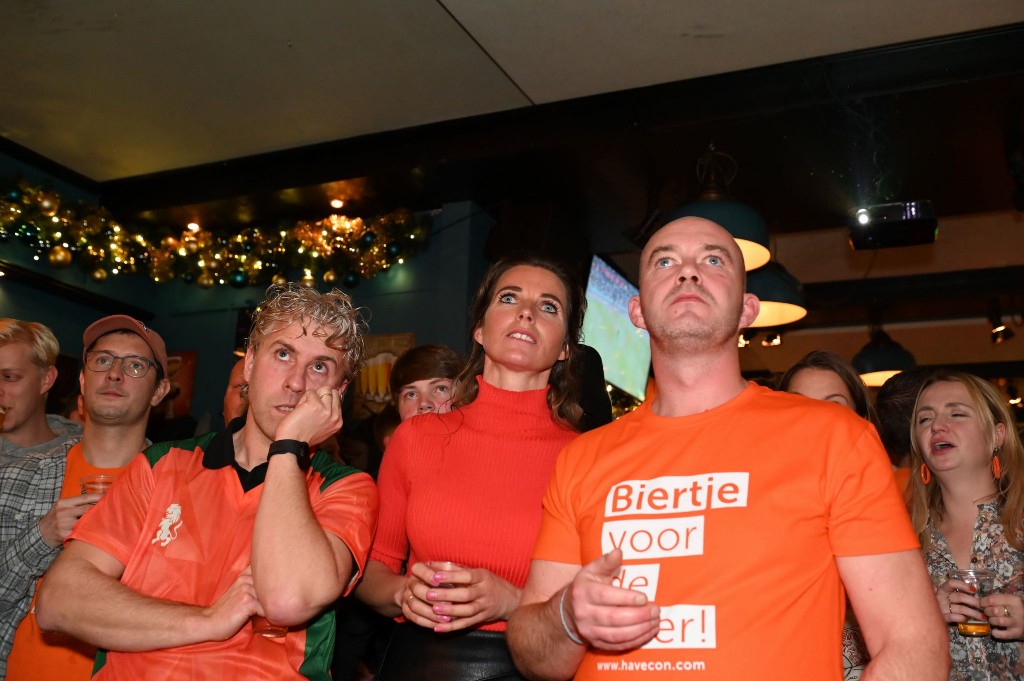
point(889, 225)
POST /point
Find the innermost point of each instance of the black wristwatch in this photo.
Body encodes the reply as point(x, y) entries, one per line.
point(296, 447)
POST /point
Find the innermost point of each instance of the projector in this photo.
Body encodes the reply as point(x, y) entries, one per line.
point(889, 225)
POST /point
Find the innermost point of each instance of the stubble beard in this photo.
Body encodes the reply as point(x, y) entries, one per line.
point(692, 335)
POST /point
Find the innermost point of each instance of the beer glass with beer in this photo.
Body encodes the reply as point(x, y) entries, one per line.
point(982, 581)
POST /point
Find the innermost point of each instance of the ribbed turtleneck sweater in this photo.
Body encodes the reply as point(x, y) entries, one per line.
point(466, 486)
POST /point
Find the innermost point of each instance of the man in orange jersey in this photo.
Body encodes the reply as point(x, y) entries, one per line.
point(199, 536)
point(714, 529)
point(123, 377)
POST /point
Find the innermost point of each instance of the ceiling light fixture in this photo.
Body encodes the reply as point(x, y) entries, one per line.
point(715, 172)
point(746, 337)
point(780, 293)
point(1000, 331)
point(881, 359)
point(772, 340)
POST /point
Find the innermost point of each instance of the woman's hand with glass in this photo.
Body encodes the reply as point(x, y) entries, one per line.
point(452, 597)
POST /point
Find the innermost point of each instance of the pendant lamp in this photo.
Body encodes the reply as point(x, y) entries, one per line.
point(780, 293)
point(715, 172)
point(881, 359)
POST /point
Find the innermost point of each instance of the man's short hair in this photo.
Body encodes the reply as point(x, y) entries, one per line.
point(120, 323)
point(333, 311)
point(33, 334)
point(421, 363)
point(895, 406)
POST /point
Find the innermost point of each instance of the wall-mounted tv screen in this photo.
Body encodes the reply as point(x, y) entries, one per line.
point(624, 348)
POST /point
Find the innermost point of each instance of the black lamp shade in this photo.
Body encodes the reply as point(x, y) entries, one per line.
point(740, 220)
point(881, 359)
point(780, 293)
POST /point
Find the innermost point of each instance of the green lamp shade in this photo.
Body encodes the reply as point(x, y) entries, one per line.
point(881, 359)
point(780, 293)
point(740, 220)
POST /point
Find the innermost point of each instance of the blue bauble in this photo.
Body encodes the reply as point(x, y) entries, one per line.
point(367, 239)
point(351, 280)
point(394, 250)
point(238, 279)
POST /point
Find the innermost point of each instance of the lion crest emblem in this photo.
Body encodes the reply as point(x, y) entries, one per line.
point(168, 530)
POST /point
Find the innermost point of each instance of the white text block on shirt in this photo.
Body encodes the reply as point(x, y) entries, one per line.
point(650, 538)
point(674, 494)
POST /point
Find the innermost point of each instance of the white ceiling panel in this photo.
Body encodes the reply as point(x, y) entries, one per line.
point(113, 88)
point(561, 50)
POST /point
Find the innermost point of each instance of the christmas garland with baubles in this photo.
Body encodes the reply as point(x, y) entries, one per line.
point(334, 249)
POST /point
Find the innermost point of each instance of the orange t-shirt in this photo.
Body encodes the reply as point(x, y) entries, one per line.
point(49, 656)
point(730, 520)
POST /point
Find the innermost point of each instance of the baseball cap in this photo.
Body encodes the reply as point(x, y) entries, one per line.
point(121, 322)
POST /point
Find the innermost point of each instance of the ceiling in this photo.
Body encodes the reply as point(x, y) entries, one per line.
point(575, 124)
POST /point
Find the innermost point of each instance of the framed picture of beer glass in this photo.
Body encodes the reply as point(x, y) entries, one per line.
point(370, 387)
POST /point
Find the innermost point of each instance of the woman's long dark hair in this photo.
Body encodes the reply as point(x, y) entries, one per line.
point(564, 395)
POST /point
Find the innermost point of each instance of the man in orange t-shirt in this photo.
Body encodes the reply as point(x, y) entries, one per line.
point(199, 536)
point(125, 364)
point(715, 529)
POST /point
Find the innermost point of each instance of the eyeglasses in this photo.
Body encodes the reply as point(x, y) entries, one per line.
point(131, 365)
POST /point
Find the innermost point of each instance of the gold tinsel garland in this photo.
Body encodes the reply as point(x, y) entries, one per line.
point(334, 249)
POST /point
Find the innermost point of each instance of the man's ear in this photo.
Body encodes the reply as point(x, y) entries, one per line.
point(751, 307)
point(162, 388)
point(636, 314)
point(49, 377)
point(250, 358)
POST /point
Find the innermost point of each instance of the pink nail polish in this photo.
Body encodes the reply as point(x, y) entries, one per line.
point(431, 595)
point(445, 618)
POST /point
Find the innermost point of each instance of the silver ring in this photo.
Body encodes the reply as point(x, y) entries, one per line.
point(1006, 611)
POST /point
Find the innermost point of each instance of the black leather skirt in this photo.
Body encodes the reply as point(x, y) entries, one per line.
point(416, 654)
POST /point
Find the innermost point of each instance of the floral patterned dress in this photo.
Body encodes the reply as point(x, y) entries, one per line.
point(983, 657)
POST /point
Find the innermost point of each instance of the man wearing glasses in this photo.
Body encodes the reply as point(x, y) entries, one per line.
point(124, 376)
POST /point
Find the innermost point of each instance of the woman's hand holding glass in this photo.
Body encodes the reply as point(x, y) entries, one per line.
point(1005, 613)
point(957, 601)
point(456, 597)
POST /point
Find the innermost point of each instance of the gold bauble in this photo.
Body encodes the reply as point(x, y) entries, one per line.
point(205, 280)
point(330, 276)
point(59, 257)
point(309, 281)
point(99, 274)
point(49, 203)
point(170, 243)
point(191, 245)
point(280, 279)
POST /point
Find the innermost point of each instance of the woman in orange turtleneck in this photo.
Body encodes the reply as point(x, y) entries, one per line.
point(466, 486)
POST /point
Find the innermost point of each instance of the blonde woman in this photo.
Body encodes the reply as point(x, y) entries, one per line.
point(967, 503)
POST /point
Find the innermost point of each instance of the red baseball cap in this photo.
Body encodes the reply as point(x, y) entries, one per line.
point(121, 322)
